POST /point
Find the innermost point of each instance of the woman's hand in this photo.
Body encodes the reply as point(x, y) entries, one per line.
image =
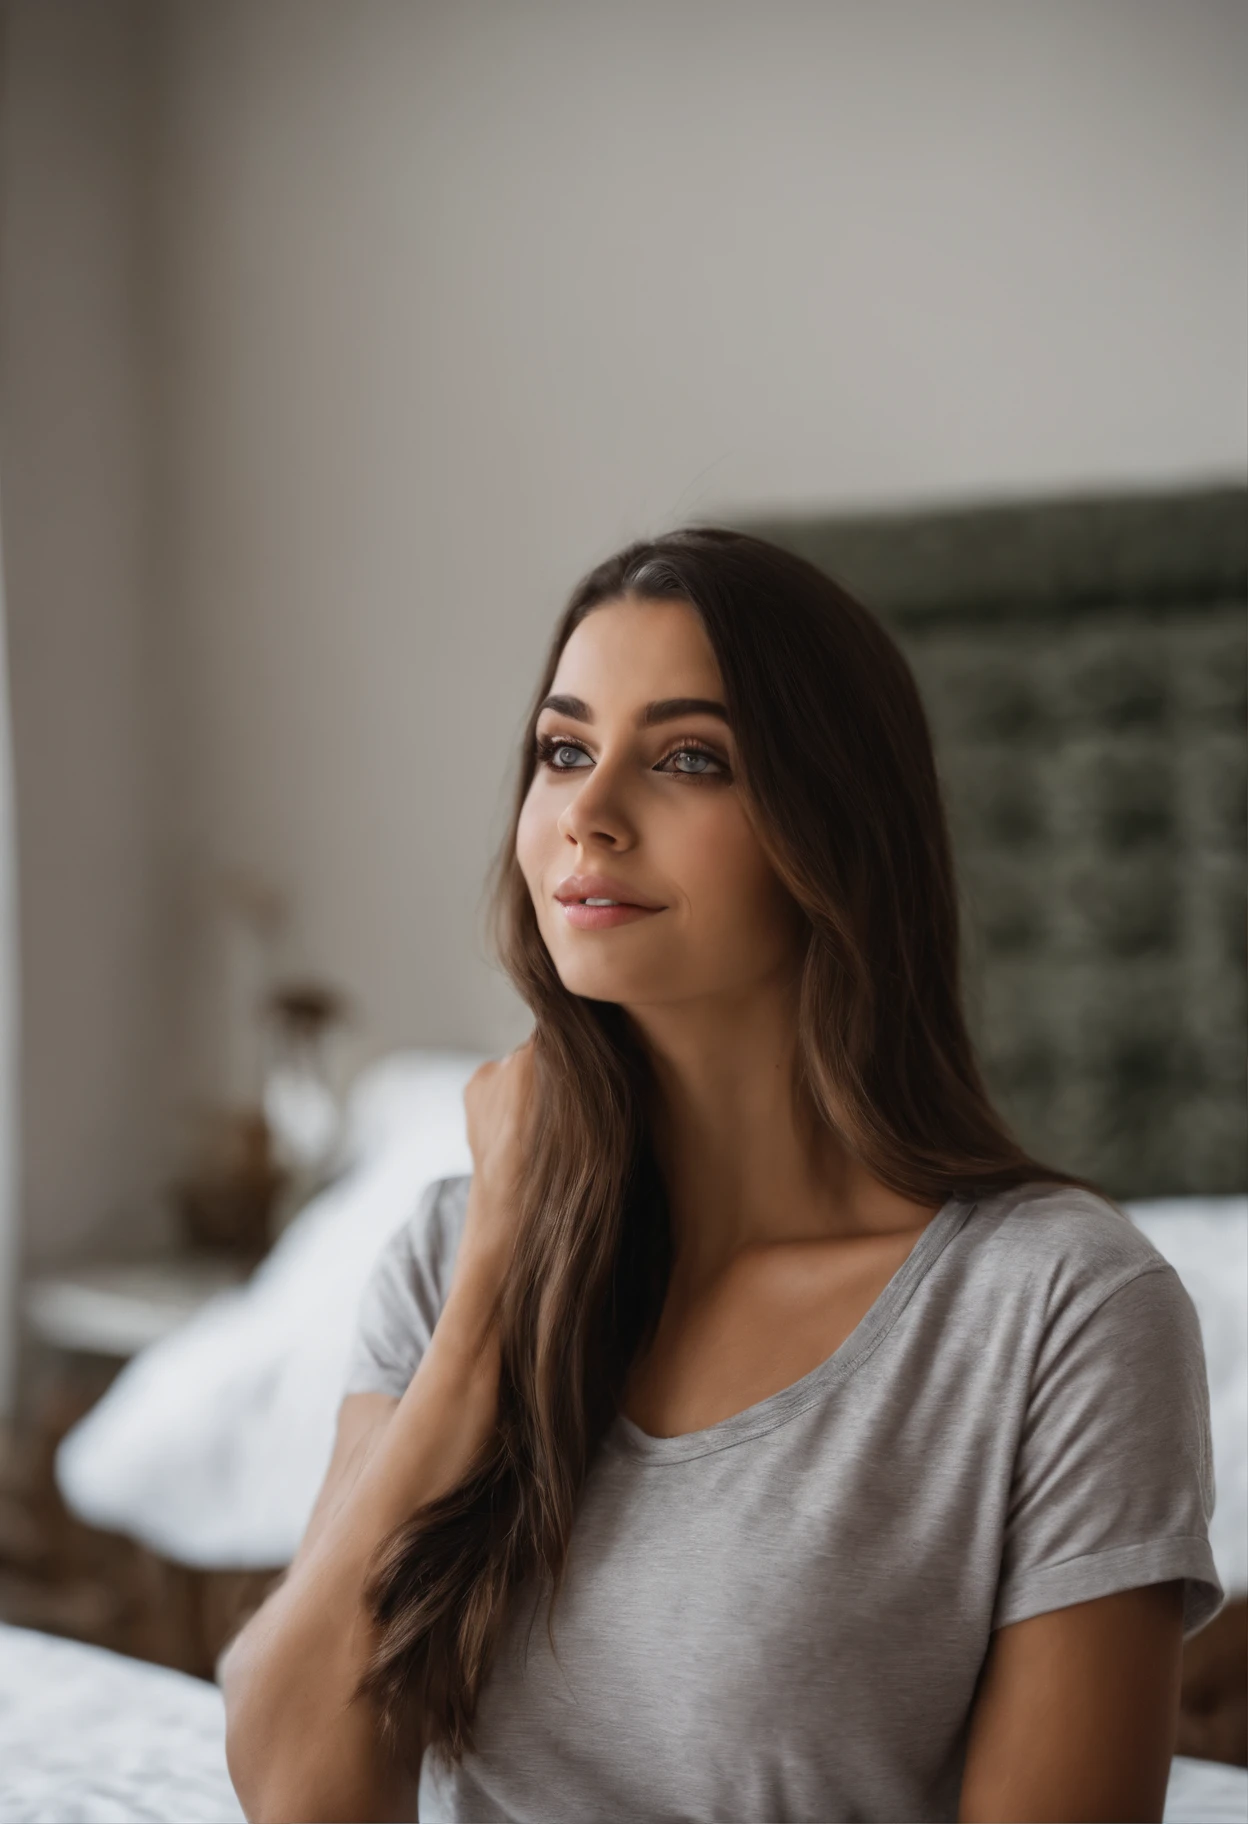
point(499, 1103)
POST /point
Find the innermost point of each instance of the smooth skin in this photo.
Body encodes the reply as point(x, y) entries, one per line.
point(782, 1242)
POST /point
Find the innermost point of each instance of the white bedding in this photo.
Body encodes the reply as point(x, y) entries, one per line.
point(211, 1445)
point(87, 1737)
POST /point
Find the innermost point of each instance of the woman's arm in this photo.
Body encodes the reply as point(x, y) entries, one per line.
point(300, 1745)
point(1076, 1712)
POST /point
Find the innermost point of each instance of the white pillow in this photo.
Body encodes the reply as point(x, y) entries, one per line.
point(1205, 1239)
point(210, 1446)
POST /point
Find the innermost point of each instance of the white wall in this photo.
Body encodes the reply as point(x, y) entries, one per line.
point(75, 292)
point(465, 293)
point(439, 301)
point(10, 1057)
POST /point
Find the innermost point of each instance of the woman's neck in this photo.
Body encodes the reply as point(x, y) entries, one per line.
point(744, 1156)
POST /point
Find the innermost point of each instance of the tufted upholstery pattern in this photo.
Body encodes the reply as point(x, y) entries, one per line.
point(1083, 664)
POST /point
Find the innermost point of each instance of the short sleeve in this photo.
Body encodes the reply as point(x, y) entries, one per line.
point(1113, 1480)
point(405, 1293)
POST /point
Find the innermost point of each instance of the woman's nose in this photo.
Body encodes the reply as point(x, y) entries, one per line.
point(595, 812)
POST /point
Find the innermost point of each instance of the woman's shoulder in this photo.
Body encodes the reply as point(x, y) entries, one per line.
point(1065, 1243)
point(406, 1290)
point(428, 1241)
point(1093, 1340)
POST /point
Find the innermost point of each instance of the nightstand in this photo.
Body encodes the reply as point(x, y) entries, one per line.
point(116, 1308)
point(57, 1573)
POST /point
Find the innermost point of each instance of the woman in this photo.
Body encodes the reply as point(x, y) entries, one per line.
point(759, 1433)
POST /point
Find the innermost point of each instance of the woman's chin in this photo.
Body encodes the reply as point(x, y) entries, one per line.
point(598, 985)
point(596, 979)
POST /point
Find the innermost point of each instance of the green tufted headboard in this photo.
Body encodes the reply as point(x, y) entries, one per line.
point(1083, 664)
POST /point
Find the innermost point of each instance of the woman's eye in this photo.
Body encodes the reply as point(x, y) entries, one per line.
point(695, 761)
point(563, 756)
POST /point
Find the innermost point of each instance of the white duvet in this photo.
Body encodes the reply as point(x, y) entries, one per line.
point(87, 1737)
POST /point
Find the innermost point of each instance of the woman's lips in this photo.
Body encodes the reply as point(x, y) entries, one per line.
point(618, 903)
point(603, 918)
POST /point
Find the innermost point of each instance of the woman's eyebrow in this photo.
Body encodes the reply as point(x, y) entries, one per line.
point(670, 709)
point(574, 707)
point(667, 709)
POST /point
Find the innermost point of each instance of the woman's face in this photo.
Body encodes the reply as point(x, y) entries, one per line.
point(637, 802)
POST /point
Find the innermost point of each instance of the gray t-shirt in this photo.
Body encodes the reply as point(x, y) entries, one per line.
point(783, 1616)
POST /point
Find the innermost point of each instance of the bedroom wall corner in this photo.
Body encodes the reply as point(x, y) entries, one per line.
point(76, 464)
point(9, 1040)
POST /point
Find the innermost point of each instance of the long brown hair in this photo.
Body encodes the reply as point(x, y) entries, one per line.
point(837, 759)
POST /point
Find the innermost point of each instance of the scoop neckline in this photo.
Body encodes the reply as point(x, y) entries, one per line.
point(778, 1408)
